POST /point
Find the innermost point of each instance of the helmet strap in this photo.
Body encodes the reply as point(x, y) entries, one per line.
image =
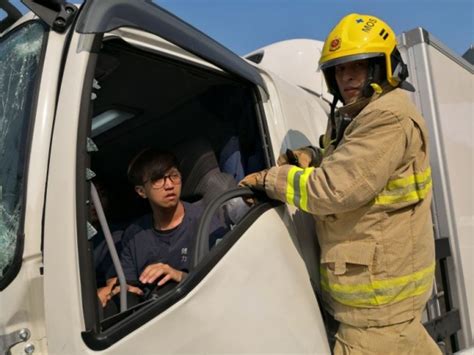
point(374, 78)
point(332, 115)
point(367, 90)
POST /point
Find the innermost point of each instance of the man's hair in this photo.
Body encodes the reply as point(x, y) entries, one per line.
point(150, 164)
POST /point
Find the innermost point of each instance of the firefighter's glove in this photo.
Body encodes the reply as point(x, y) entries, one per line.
point(254, 181)
point(303, 157)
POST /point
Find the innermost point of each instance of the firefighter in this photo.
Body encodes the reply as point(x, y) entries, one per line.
point(369, 190)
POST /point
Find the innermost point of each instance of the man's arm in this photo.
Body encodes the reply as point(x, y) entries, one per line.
point(349, 178)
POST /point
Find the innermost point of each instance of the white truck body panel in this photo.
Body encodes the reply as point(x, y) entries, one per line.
point(445, 96)
point(295, 118)
point(296, 61)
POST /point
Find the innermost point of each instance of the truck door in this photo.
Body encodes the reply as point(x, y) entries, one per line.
point(168, 83)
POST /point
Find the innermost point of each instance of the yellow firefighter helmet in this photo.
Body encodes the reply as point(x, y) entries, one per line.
point(358, 37)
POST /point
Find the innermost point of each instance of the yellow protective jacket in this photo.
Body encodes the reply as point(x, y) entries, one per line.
point(371, 200)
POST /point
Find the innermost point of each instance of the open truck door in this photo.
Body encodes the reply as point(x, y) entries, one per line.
point(120, 76)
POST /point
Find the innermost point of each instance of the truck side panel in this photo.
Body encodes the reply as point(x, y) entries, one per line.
point(444, 84)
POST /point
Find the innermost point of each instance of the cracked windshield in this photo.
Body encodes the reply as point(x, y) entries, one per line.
point(19, 59)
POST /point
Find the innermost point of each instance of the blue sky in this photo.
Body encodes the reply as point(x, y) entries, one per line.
point(245, 25)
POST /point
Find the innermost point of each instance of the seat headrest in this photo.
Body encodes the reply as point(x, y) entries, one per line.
point(196, 159)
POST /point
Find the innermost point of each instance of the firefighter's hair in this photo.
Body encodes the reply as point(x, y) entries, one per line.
point(150, 164)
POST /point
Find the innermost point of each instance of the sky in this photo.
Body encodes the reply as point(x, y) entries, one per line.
point(246, 25)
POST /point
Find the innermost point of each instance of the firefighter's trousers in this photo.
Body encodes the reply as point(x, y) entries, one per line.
point(404, 338)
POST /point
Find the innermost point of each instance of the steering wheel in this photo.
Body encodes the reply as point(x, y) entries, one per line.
point(202, 238)
point(152, 290)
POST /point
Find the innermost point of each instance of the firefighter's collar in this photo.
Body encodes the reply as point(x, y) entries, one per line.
point(354, 109)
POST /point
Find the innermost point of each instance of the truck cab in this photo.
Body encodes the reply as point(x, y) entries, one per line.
point(117, 78)
point(83, 90)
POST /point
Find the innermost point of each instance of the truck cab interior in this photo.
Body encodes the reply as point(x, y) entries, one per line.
point(209, 119)
point(166, 104)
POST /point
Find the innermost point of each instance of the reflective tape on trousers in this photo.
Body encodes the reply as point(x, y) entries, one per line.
point(380, 292)
point(296, 187)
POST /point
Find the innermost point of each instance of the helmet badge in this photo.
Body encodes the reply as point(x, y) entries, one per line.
point(335, 44)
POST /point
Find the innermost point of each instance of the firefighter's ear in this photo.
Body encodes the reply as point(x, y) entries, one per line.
point(140, 190)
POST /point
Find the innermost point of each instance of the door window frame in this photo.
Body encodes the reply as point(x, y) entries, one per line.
point(99, 335)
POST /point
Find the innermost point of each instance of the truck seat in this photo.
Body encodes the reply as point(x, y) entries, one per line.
point(203, 179)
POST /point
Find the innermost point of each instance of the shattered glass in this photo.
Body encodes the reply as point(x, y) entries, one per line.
point(19, 60)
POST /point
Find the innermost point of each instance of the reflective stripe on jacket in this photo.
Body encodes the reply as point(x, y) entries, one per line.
point(414, 187)
point(371, 201)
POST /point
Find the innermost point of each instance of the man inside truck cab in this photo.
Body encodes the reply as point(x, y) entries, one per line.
point(369, 189)
point(157, 247)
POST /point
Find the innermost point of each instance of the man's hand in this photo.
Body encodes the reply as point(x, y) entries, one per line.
point(255, 181)
point(132, 289)
point(104, 294)
point(110, 290)
point(303, 157)
point(154, 271)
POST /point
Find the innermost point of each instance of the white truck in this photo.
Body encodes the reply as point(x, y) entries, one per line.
point(83, 90)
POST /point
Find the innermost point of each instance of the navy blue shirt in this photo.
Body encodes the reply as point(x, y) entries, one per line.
point(143, 245)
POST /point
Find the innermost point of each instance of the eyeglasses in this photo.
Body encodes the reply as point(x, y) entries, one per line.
point(175, 178)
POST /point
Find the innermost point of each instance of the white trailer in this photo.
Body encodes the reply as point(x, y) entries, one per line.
point(83, 90)
point(445, 96)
